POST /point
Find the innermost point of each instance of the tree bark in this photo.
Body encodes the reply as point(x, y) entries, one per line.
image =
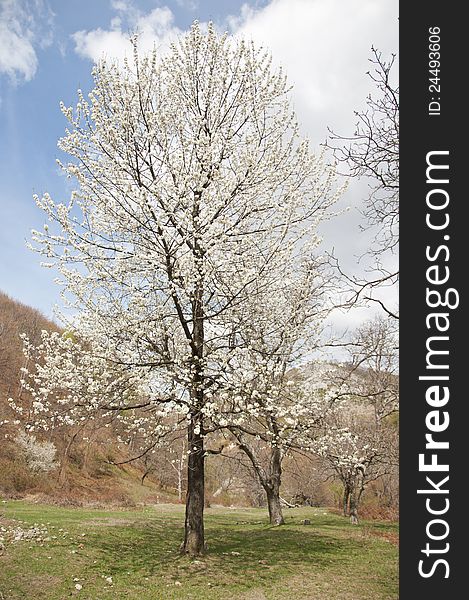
point(270, 480)
point(272, 489)
point(194, 543)
point(353, 511)
point(275, 507)
point(64, 462)
point(355, 498)
point(86, 456)
point(346, 500)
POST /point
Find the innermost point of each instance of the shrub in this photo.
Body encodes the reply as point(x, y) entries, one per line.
point(39, 455)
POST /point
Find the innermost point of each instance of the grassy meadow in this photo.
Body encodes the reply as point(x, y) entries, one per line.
point(54, 553)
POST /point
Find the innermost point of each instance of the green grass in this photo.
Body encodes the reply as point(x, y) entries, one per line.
point(246, 560)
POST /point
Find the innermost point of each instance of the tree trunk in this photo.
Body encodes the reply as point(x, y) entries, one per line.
point(64, 462)
point(86, 456)
point(194, 542)
point(272, 489)
point(275, 507)
point(354, 503)
point(63, 470)
point(346, 500)
point(179, 483)
point(353, 511)
point(194, 525)
point(270, 480)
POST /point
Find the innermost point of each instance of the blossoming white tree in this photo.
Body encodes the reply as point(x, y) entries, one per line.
point(74, 389)
point(360, 443)
point(193, 187)
point(273, 409)
point(39, 455)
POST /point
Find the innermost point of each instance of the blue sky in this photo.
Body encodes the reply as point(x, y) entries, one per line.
point(47, 48)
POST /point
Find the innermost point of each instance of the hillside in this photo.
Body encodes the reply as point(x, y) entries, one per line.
point(16, 318)
point(86, 463)
point(84, 481)
point(84, 473)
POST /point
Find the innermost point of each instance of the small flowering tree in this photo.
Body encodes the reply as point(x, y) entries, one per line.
point(272, 408)
point(193, 188)
point(354, 460)
point(77, 389)
point(39, 455)
point(360, 442)
point(280, 421)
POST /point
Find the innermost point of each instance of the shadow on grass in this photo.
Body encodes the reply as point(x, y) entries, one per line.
point(242, 552)
point(140, 550)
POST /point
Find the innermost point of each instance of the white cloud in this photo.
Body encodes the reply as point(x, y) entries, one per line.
point(156, 27)
point(324, 46)
point(24, 26)
point(188, 4)
point(122, 5)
